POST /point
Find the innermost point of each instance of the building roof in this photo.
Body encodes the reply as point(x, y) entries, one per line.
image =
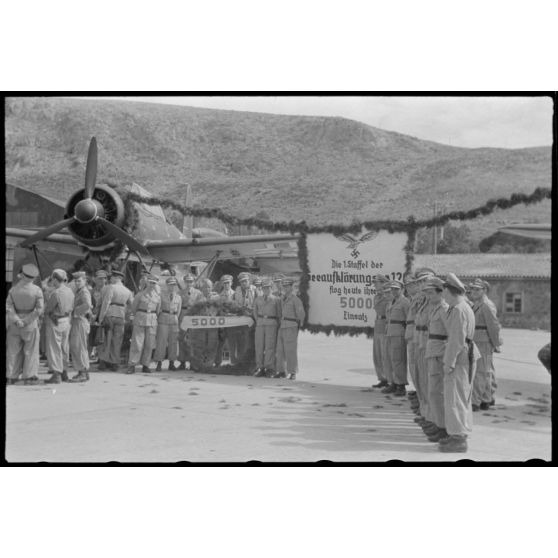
point(532, 266)
point(29, 190)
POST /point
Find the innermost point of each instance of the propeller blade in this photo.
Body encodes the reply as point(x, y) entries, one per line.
point(46, 232)
point(122, 235)
point(91, 169)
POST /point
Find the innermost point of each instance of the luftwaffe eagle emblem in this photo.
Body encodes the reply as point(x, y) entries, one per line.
point(354, 242)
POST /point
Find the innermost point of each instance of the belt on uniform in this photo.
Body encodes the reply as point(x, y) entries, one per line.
point(116, 304)
point(436, 336)
point(400, 322)
point(263, 316)
point(410, 322)
point(167, 312)
point(290, 319)
point(480, 327)
point(147, 311)
point(421, 328)
point(24, 312)
point(382, 317)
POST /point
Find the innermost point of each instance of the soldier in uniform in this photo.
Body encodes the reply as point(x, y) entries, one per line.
point(292, 317)
point(378, 342)
point(229, 335)
point(24, 306)
point(115, 301)
point(434, 355)
point(189, 296)
point(415, 298)
point(145, 311)
point(396, 348)
point(258, 282)
point(57, 311)
point(244, 297)
point(278, 285)
point(80, 325)
point(167, 325)
point(460, 358)
point(100, 281)
point(488, 340)
point(267, 314)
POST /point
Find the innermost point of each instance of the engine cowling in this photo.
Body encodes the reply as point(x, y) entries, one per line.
point(105, 202)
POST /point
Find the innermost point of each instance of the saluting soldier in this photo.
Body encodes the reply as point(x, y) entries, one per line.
point(146, 308)
point(167, 325)
point(460, 358)
point(80, 326)
point(267, 314)
point(24, 306)
point(57, 311)
point(292, 318)
point(435, 429)
point(116, 299)
point(189, 296)
point(244, 297)
point(396, 348)
point(488, 340)
point(380, 303)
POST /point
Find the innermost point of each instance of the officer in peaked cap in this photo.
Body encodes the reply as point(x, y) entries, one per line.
point(166, 343)
point(423, 272)
point(101, 273)
point(80, 328)
point(488, 340)
point(396, 348)
point(267, 314)
point(292, 318)
point(24, 306)
point(57, 327)
point(380, 302)
point(227, 292)
point(459, 361)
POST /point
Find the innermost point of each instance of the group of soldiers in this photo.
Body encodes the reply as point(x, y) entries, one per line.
point(443, 335)
point(71, 319)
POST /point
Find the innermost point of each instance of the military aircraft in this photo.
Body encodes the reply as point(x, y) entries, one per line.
point(100, 219)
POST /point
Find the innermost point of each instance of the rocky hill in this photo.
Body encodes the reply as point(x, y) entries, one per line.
point(320, 169)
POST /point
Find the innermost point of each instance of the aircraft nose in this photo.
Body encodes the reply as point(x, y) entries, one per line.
point(87, 210)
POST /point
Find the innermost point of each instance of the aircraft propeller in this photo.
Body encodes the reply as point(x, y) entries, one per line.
point(89, 213)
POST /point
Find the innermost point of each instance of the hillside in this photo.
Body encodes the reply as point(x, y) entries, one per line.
point(320, 169)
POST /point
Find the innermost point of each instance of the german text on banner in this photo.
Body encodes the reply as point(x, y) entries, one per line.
point(341, 273)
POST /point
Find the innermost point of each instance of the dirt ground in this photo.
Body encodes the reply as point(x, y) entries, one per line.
point(329, 413)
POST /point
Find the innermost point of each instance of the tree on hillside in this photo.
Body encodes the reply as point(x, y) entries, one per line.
point(450, 239)
point(502, 243)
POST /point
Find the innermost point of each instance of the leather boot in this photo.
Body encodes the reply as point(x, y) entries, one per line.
point(65, 377)
point(182, 365)
point(389, 389)
point(32, 381)
point(171, 365)
point(455, 444)
point(438, 435)
point(280, 375)
point(131, 369)
point(399, 391)
point(102, 366)
point(259, 372)
point(81, 376)
point(484, 406)
point(159, 366)
point(381, 384)
point(56, 378)
point(146, 369)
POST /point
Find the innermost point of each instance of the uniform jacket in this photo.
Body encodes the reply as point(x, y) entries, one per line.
point(437, 326)
point(245, 299)
point(60, 303)
point(460, 323)
point(396, 314)
point(415, 302)
point(170, 308)
point(25, 303)
point(380, 305)
point(145, 308)
point(292, 312)
point(420, 335)
point(189, 298)
point(228, 295)
point(115, 301)
point(487, 326)
point(82, 304)
point(267, 311)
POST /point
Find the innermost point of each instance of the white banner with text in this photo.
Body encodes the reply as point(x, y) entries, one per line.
point(341, 273)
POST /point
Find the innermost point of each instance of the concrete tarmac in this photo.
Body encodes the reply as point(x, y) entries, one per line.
point(328, 413)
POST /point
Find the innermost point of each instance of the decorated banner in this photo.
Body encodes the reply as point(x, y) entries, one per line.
point(341, 271)
point(205, 322)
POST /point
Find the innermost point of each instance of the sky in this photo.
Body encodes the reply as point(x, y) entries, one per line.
point(508, 122)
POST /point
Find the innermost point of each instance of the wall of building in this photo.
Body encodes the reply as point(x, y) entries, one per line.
point(535, 298)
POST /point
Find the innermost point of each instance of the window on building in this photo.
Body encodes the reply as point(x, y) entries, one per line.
point(513, 303)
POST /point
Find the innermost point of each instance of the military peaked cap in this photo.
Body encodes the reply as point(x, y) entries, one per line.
point(59, 274)
point(30, 270)
point(433, 283)
point(454, 281)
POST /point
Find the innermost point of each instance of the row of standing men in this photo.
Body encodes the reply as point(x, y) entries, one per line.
point(443, 335)
point(70, 318)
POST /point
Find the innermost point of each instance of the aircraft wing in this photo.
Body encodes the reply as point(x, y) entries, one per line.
point(54, 243)
point(538, 231)
point(232, 247)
